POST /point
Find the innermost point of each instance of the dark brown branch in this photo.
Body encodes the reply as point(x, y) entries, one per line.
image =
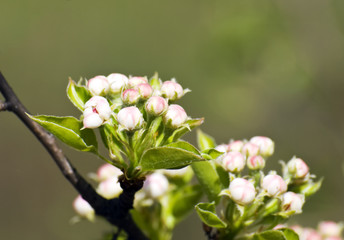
point(116, 211)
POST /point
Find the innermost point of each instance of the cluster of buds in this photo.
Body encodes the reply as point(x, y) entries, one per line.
point(326, 230)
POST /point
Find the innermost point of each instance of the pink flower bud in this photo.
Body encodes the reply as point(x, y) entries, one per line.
point(250, 149)
point(172, 90)
point(118, 82)
point(330, 229)
point(155, 185)
point(130, 96)
point(156, 105)
point(83, 208)
point(292, 202)
point(134, 81)
point(222, 148)
point(98, 85)
point(145, 90)
point(109, 188)
point(235, 146)
point(97, 110)
point(242, 191)
point(297, 168)
point(274, 185)
point(130, 118)
point(175, 116)
point(233, 162)
point(255, 162)
point(107, 171)
point(309, 234)
point(265, 144)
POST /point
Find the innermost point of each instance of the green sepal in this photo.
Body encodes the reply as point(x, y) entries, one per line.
point(308, 188)
point(205, 141)
point(187, 127)
point(281, 234)
point(206, 212)
point(155, 82)
point(169, 157)
point(77, 94)
point(68, 130)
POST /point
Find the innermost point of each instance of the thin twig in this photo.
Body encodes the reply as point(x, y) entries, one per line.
point(111, 210)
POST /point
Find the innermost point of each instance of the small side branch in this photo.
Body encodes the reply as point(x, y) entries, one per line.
point(116, 211)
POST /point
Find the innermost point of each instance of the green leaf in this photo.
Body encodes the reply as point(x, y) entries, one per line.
point(178, 133)
point(184, 145)
point(208, 178)
point(67, 129)
point(184, 199)
point(206, 212)
point(282, 234)
point(167, 158)
point(211, 153)
point(78, 95)
point(308, 188)
point(204, 141)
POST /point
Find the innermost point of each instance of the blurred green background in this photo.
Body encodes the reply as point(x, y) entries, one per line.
point(268, 67)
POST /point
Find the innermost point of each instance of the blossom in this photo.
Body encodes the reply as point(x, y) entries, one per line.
point(98, 85)
point(274, 185)
point(130, 118)
point(242, 191)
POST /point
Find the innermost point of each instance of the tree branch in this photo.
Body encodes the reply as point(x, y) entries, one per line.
point(116, 211)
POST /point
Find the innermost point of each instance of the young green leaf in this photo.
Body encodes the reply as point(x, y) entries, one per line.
point(67, 129)
point(184, 145)
point(282, 234)
point(155, 82)
point(178, 133)
point(78, 95)
point(206, 212)
point(167, 158)
point(308, 188)
point(204, 141)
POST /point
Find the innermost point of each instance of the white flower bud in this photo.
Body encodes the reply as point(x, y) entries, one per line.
point(134, 81)
point(235, 146)
point(265, 144)
point(97, 110)
point(297, 168)
point(145, 90)
point(98, 85)
point(155, 185)
point(176, 172)
point(130, 96)
point(222, 148)
point(255, 162)
point(83, 208)
point(242, 191)
point(109, 188)
point(309, 234)
point(274, 185)
point(107, 171)
point(175, 116)
point(118, 82)
point(156, 105)
point(292, 202)
point(130, 118)
point(172, 90)
point(250, 149)
point(92, 120)
point(330, 229)
point(233, 162)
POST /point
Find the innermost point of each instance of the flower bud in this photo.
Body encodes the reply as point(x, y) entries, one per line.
point(98, 85)
point(233, 162)
point(156, 105)
point(130, 96)
point(250, 149)
point(222, 148)
point(83, 208)
point(175, 116)
point(297, 168)
point(235, 146)
point(242, 191)
point(118, 82)
point(155, 185)
point(172, 90)
point(333, 238)
point(145, 90)
point(109, 188)
point(107, 171)
point(330, 229)
point(265, 144)
point(309, 234)
point(292, 202)
point(274, 185)
point(97, 110)
point(176, 173)
point(255, 162)
point(134, 81)
point(130, 118)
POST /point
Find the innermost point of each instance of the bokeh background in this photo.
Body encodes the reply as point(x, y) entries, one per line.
point(268, 67)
